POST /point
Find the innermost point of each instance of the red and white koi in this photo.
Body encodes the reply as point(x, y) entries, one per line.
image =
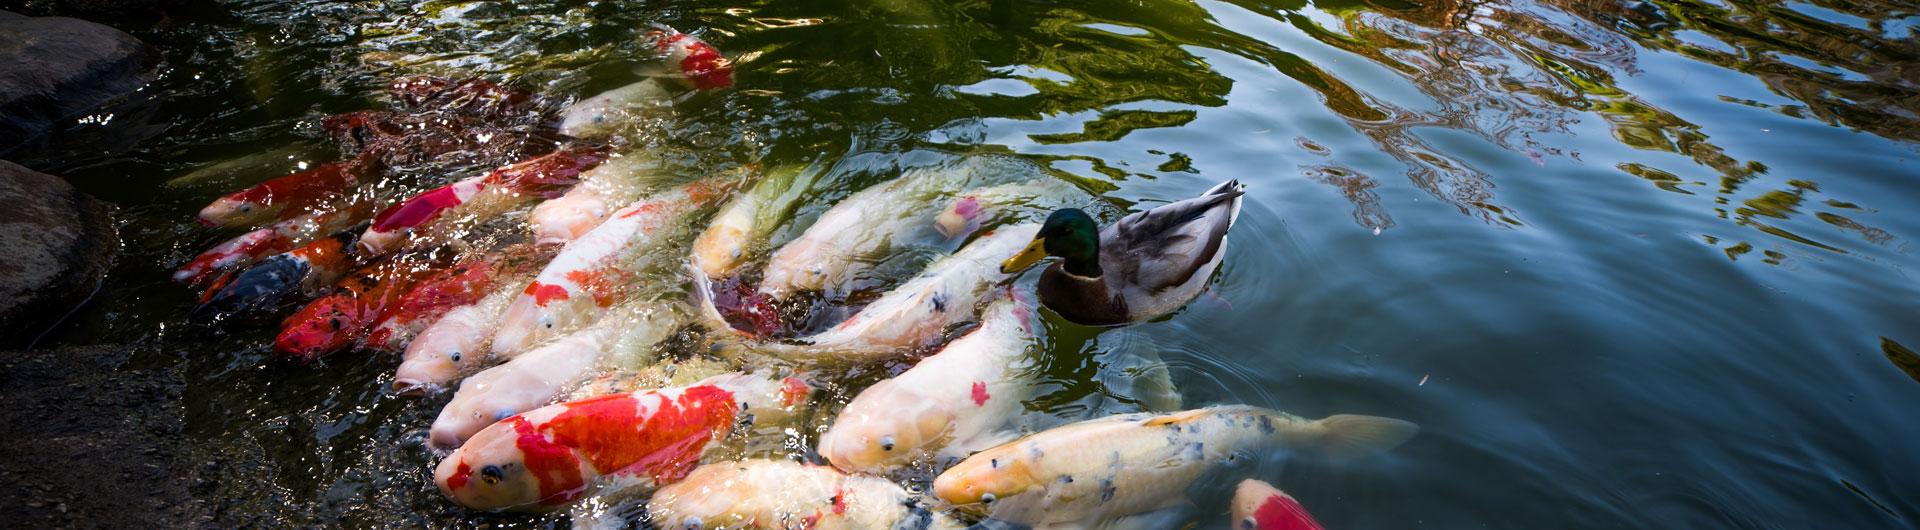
point(478, 197)
point(690, 63)
point(283, 197)
point(543, 375)
point(782, 495)
point(1090, 473)
point(549, 457)
point(463, 284)
point(341, 318)
point(947, 406)
point(245, 249)
point(1260, 506)
point(592, 272)
point(456, 344)
point(621, 180)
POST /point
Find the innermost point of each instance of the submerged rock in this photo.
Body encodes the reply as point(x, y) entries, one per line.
point(55, 69)
point(55, 245)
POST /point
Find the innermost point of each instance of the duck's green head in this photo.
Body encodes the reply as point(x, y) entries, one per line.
point(1070, 234)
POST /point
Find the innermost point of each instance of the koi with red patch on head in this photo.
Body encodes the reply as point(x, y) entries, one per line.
point(282, 197)
point(699, 63)
point(1260, 506)
point(548, 457)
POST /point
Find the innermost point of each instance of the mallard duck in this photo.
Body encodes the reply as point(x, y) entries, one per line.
point(1146, 265)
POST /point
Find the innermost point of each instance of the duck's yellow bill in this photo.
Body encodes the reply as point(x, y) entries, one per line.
point(1035, 251)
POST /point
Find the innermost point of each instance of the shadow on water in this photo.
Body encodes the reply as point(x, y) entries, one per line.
point(1629, 263)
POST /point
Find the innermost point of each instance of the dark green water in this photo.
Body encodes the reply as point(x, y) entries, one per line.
point(1629, 264)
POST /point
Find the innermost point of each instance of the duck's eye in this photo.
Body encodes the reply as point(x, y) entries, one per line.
point(886, 443)
point(988, 498)
point(491, 475)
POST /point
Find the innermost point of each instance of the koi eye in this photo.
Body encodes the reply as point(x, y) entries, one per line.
point(886, 443)
point(246, 208)
point(454, 355)
point(491, 475)
point(988, 498)
point(994, 463)
point(1249, 523)
point(335, 322)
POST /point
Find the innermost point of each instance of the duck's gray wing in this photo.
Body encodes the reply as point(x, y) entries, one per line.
point(1164, 247)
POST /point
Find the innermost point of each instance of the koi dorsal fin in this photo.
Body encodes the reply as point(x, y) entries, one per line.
point(1175, 418)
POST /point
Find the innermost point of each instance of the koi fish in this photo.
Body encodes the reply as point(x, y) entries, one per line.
point(838, 250)
point(548, 457)
point(333, 322)
point(455, 345)
point(691, 64)
point(1260, 506)
point(748, 219)
point(914, 315)
point(701, 66)
point(541, 375)
point(607, 113)
point(463, 284)
point(592, 272)
point(948, 405)
point(279, 278)
point(478, 197)
point(283, 197)
point(1095, 471)
point(780, 494)
point(245, 249)
point(621, 180)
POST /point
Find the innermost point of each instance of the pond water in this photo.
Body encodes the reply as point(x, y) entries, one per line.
point(1628, 264)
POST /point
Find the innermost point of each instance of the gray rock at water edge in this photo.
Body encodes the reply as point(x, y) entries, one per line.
point(55, 246)
point(56, 69)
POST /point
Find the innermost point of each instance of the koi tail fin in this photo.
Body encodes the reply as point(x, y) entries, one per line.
point(1353, 435)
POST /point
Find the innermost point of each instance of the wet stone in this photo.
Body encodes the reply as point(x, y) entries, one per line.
point(55, 247)
point(55, 69)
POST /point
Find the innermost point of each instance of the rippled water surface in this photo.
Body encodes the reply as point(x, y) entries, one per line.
point(1629, 264)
